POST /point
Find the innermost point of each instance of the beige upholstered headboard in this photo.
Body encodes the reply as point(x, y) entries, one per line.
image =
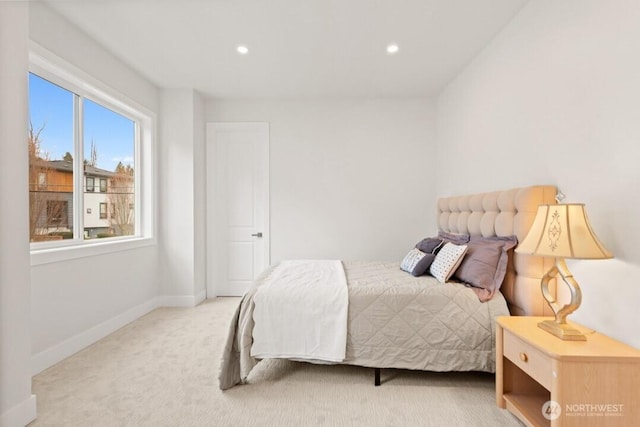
point(505, 213)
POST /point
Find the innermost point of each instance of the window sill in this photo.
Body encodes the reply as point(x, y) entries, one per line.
point(51, 255)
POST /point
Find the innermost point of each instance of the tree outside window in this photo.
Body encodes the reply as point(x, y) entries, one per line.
point(121, 198)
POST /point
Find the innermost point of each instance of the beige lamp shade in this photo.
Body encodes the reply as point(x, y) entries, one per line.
point(563, 231)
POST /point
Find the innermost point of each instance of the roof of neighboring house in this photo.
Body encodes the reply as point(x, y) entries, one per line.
point(67, 166)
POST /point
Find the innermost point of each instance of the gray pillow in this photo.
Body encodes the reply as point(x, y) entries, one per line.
point(430, 245)
point(455, 238)
point(485, 264)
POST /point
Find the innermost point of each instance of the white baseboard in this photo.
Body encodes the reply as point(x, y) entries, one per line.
point(21, 414)
point(70, 346)
point(200, 296)
point(181, 300)
point(53, 355)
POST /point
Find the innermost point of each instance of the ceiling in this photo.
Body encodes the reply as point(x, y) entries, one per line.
point(297, 48)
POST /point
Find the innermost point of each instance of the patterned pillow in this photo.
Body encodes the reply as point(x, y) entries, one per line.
point(416, 262)
point(447, 260)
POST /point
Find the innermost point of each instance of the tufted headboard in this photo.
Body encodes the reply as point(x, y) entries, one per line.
point(505, 213)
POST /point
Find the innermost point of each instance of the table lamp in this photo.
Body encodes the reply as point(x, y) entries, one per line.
point(562, 231)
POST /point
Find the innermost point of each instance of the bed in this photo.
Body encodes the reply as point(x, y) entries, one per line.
point(396, 320)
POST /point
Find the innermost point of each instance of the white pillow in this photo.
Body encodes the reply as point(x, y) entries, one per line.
point(447, 260)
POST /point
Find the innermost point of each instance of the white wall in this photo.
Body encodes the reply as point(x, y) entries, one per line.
point(554, 99)
point(200, 197)
point(350, 178)
point(182, 204)
point(17, 404)
point(75, 302)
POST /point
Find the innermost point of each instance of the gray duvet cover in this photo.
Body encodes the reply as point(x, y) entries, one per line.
point(395, 321)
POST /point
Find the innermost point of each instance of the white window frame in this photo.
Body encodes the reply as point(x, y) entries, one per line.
point(50, 67)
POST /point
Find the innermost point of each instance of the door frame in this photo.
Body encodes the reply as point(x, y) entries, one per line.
point(213, 225)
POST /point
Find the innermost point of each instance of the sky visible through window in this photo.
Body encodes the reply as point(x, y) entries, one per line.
point(52, 107)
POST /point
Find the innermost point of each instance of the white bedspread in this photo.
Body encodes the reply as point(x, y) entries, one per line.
point(301, 312)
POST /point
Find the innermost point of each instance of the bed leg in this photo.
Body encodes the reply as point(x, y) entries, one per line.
point(376, 373)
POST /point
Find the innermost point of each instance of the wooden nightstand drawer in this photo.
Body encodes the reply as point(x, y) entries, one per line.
point(526, 357)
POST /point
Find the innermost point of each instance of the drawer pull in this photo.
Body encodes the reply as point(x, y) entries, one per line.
point(524, 357)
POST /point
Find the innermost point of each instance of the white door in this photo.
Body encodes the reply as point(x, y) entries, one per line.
point(237, 206)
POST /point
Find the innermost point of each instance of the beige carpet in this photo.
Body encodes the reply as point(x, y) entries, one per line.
point(162, 369)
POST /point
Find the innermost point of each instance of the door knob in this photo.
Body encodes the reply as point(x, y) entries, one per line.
point(259, 234)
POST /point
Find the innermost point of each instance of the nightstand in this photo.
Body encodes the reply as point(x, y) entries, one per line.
point(545, 381)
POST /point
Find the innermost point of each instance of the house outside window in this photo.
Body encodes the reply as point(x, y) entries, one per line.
point(91, 183)
point(103, 185)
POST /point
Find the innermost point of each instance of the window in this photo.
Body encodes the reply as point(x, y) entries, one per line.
point(42, 181)
point(82, 134)
point(106, 147)
point(57, 213)
point(103, 211)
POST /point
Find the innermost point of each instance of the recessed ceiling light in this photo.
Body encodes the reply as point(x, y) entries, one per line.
point(392, 49)
point(242, 49)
